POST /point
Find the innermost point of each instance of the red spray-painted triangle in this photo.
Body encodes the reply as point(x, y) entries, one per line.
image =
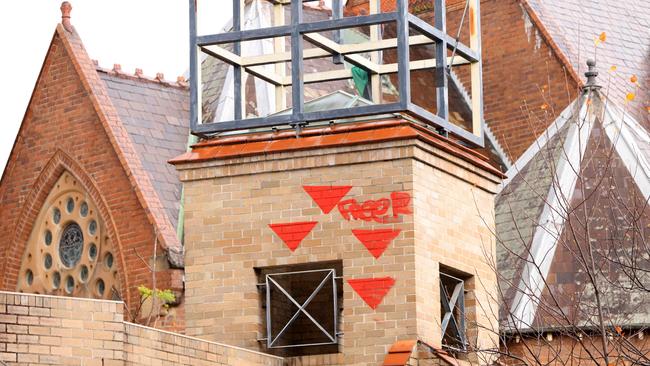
point(376, 241)
point(293, 233)
point(327, 197)
point(372, 290)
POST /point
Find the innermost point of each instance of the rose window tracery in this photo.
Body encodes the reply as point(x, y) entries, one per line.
point(69, 251)
point(71, 244)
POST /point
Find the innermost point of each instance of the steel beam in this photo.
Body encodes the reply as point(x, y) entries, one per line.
point(436, 34)
point(195, 99)
point(403, 57)
point(297, 65)
point(442, 97)
point(476, 69)
point(237, 69)
point(337, 13)
point(424, 115)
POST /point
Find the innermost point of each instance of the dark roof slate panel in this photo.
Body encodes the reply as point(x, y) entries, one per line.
point(156, 117)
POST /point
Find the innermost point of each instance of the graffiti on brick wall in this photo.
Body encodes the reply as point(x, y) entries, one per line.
point(385, 210)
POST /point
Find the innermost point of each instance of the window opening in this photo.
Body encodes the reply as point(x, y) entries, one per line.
point(452, 308)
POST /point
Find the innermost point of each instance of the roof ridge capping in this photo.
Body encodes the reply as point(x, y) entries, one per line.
point(181, 82)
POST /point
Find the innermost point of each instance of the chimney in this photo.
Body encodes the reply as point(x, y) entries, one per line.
point(66, 8)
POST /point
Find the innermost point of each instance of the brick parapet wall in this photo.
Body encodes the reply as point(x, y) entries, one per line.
point(41, 329)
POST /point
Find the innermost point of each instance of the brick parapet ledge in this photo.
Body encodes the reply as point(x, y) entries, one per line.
point(42, 329)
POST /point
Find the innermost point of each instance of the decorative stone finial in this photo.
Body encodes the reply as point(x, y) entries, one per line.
point(66, 8)
point(591, 75)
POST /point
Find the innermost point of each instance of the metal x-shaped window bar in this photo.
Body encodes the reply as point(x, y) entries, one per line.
point(453, 312)
point(273, 281)
point(298, 31)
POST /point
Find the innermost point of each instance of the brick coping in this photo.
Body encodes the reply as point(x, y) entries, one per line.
point(61, 297)
point(265, 143)
point(203, 340)
point(126, 323)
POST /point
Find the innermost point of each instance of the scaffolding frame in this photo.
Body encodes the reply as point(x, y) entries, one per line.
point(298, 30)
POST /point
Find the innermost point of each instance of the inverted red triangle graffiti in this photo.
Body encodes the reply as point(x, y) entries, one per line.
point(376, 241)
point(372, 290)
point(293, 233)
point(327, 197)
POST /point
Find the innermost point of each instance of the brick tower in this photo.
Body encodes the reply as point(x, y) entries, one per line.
point(332, 228)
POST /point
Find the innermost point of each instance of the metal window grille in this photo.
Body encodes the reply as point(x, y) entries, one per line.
point(452, 301)
point(301, 308)
point(407, 26)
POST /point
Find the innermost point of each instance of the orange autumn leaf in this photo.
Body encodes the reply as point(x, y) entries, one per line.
point(648, 109)
point(630, 97)
point(618, 329)
point(602, 37)
point(634, 79)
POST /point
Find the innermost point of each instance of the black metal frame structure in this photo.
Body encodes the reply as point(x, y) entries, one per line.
point(270, 282)
point(298, 30)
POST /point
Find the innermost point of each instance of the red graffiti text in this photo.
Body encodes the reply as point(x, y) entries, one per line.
point(377, 210)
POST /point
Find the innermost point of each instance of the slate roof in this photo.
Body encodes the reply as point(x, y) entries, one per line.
point(519, 207)
point(611, 196)
point(156, 115)
point(573, 26)
point(622, 302)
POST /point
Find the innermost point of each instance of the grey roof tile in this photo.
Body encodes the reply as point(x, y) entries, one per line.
point(156, 116)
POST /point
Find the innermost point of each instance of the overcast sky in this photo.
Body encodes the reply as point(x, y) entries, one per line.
point(148, 34)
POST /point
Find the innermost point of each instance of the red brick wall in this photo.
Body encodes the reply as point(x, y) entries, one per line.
point(61, 130)
point(524, 82)
point(525, 85)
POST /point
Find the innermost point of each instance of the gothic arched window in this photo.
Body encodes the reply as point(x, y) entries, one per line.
point(69, 252)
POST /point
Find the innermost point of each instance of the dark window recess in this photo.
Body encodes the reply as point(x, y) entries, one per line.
point(452, 312)
point(305, 307)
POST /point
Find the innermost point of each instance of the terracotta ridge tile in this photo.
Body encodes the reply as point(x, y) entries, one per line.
point(139, 76)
